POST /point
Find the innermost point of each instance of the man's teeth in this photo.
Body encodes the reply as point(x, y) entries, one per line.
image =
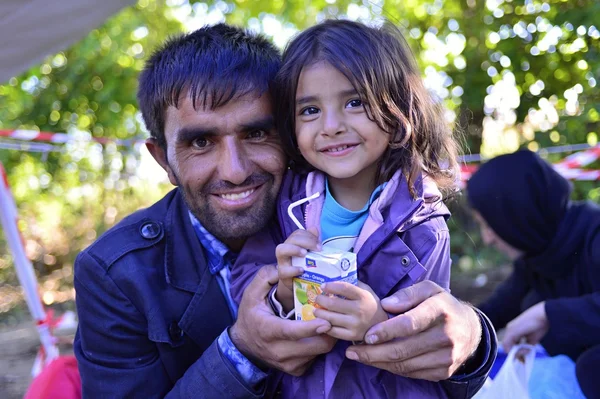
point(336, 149)
point(233, 197)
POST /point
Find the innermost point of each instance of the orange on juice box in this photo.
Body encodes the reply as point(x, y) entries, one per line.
point(326, 266)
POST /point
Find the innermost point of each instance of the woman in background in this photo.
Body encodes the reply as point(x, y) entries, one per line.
point(552, 297)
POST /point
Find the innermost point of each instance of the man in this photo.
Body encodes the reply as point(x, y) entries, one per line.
point(156, 317)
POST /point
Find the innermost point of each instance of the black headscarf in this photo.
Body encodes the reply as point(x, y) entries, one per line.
point(522, 198)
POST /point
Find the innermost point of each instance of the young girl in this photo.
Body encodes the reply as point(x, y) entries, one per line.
point(362, 131)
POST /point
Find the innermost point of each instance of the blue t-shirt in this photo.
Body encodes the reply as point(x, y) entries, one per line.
point(338, 221)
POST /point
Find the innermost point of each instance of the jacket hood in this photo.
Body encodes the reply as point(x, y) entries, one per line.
point(522, 198)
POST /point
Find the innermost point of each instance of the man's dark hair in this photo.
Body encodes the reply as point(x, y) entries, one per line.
point(213, 65)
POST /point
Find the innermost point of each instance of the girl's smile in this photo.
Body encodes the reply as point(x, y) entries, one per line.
point(334, 132)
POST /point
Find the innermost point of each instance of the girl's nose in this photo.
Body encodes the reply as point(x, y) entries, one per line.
point(333, 123)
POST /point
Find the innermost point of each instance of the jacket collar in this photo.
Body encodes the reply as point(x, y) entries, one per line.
point(185, 261)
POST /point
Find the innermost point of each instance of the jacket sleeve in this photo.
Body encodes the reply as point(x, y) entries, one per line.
point(469, 379)
point(505, 303)
point(575, 322)
point(434, 254)
point(258, 251)
point(116, 358)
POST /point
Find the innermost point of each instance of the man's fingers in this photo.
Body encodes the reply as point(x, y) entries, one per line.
point(401, 350)
point(419, 319)
point(292, 330)
point(306, 347)
point(261, 284)
point(410, 297)
point(433, 366)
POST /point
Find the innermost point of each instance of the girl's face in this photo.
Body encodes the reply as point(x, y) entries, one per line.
point(333, 131)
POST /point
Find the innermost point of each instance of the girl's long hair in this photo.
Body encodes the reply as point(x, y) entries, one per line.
point(381, 67)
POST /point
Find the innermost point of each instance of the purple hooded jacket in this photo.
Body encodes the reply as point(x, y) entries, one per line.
point(403, 241)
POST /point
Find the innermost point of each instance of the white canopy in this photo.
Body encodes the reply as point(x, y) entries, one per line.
point(33, 29)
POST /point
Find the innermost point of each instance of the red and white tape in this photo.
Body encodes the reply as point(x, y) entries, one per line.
point(580, 159)
point(570, 167)
point(61, 138)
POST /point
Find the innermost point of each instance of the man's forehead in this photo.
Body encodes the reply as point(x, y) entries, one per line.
point(211, 100)
point(238, 114)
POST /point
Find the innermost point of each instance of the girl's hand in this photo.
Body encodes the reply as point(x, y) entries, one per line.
point(297, 244)
point(351, 317)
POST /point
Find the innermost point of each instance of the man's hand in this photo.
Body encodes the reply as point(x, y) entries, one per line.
point(532, 325)
point(430, 339)
point(264, 338)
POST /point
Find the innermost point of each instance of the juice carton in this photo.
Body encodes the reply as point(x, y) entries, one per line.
point(326, 266)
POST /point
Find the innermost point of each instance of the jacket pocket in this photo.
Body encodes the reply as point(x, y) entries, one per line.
point(392, 267)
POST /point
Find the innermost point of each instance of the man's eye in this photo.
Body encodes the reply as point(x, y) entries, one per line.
point(200, 143)
point(257, 134)
point(354, 103)
point(309, 111)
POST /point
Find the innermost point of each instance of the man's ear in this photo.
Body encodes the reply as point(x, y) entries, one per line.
point(160, 155)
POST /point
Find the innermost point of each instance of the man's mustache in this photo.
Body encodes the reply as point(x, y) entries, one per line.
point(255, 179)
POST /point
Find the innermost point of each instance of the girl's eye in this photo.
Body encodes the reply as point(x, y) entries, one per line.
point(257, 134)
point(354, 103)
point(309, 111)
point(200, 143)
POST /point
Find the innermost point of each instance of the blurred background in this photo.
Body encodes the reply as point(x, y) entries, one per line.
point(512, 74)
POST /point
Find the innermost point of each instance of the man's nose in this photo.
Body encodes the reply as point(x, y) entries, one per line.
point(333, 123)
point(234, 163)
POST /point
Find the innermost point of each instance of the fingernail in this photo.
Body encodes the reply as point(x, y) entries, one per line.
point(372, 339)
point(323, 286)
point(351, 355)
point(303, 251)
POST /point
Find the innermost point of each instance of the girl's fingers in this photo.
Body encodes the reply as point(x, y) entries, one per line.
point(346, 290)
point(337, 305)
point(289, 272)
point(304, 239)
point(335, 319)
point(341, 333)
point(285, 251)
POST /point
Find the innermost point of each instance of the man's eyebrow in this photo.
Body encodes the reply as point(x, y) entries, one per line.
point(267, 123)
point(310, 99)
point(187, 134)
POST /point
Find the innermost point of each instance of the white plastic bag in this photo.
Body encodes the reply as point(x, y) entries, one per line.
point(512, 380)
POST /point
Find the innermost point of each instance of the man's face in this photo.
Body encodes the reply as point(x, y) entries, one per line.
point(228, 162)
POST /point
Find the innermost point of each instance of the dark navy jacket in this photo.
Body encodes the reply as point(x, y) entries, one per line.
point(150, 312)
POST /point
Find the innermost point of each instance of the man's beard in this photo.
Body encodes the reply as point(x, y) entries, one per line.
point(227, 225)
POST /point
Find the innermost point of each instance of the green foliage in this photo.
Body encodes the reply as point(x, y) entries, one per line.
point(546, 53)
